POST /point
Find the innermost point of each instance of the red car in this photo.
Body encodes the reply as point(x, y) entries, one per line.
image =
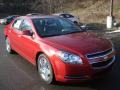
point(60, 49)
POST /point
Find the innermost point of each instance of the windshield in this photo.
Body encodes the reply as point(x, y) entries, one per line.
point(47, 27)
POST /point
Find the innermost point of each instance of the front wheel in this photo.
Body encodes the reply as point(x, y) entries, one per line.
point(45, 69)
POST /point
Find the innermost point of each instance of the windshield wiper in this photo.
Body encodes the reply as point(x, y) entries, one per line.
point(52, 35)
point(61, 34)
point(73, 32)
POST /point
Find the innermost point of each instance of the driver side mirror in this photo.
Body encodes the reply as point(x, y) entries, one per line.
point(27, 32)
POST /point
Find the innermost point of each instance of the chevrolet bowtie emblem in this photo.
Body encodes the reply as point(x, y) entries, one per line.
point(105, 57)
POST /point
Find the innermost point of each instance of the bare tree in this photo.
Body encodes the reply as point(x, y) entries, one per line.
point(48, 6)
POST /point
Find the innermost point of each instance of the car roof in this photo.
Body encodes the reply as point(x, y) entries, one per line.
point(40, 16)
point(33, 14)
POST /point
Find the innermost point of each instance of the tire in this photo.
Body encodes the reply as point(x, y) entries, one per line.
point(8, 46)
point(45, 69)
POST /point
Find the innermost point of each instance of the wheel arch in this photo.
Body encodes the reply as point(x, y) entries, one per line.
point(36, 58)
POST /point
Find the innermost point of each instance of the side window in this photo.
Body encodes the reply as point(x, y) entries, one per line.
point(17, 24)
point(25, 25)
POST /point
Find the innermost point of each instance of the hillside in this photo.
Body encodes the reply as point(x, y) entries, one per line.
point(92, 11)
point(89, 11)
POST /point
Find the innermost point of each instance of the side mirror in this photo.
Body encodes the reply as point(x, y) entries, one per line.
point(27, 32)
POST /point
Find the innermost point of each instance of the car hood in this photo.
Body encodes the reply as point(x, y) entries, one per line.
point(83, 42)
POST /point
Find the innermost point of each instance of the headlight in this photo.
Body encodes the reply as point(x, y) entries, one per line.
point(69, 57)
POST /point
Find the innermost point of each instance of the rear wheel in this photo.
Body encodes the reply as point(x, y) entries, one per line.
point(8, 46)
point(45, 69)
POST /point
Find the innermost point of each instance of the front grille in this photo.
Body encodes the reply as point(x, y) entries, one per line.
point(103, 63)
point(99, 54)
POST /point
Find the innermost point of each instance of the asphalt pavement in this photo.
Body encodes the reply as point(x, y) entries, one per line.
point(16, 73)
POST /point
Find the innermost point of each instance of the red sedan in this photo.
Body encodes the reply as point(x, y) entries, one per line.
point(60, 49)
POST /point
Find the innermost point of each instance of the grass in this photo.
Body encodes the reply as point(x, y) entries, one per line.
point(93, 11)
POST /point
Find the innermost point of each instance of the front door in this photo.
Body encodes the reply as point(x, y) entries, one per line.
point(28, 45)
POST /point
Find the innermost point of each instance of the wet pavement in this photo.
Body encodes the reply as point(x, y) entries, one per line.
point(18, 74)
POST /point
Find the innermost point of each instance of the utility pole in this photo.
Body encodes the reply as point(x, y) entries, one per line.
point(111, 8)
point(110, 17)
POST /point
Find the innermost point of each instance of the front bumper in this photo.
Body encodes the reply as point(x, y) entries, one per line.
point(77, 72)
